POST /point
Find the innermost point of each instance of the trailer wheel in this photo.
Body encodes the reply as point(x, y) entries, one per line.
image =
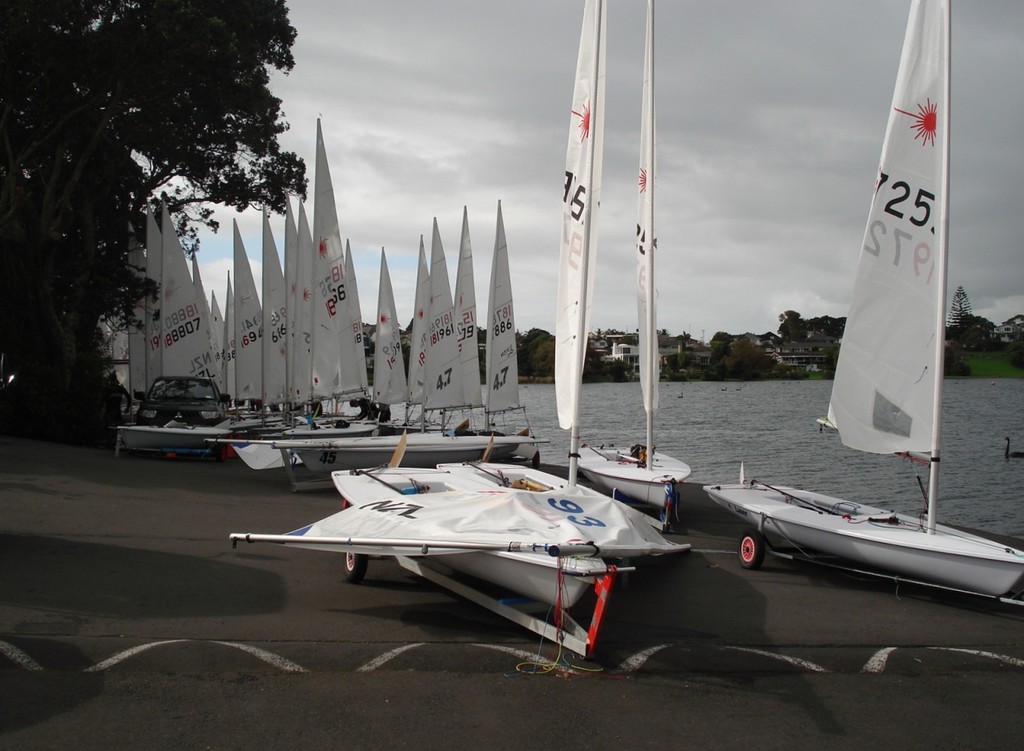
point(355, 567)
point(752, 547)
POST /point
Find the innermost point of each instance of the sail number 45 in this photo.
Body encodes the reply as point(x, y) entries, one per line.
point(573, 509)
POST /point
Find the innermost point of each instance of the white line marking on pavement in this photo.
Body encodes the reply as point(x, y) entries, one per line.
point(376, 662)
point(635, 662)
point(111, 661)
point(878, 661)
point(521, 654)
point(18, 657)
point(784, 658)
point(270, 658)
point(991, 655)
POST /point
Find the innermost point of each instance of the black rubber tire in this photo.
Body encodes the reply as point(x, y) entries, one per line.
point(355, 567)
point(752, 549)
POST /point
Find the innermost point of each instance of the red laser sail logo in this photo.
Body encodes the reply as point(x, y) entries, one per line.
point(584, 124)
point(926, 121)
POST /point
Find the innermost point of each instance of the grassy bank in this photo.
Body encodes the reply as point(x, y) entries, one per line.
point(992, 365)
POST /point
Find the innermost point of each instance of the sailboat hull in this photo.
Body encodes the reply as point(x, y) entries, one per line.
point(615, 471)
point(883, 540)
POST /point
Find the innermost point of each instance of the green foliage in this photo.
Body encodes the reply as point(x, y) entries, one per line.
point(104, 103)
point(792, 326)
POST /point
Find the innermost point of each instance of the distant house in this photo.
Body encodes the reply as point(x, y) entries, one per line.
point(1008, 332)
point(811, 354)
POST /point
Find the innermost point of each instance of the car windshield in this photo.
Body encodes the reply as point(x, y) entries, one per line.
point(180, 388)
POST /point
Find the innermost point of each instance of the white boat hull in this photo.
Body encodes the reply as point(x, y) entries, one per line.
point(423, 450)
point(616, 471)
point(882, 540)
point(157, 438)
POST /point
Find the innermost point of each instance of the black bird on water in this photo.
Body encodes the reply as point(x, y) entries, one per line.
point(1012, 454)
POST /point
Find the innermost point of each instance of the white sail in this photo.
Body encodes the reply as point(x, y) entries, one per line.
point(275, 327)
point(580, 199)
point(197, 282)
point(890, 363)
point(389, 384)
point(420, 330)
point(301, 345)
point(228, 339)
point(502, 359)
point(248, 327)
point(217, 342)
point(185, 332)
point(646, 241)
point(442, 372)
point(358, 346)
point(333, 371)
point(154, 270)
point(465, 320)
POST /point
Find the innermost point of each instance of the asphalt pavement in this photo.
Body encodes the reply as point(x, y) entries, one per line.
point(127, 620)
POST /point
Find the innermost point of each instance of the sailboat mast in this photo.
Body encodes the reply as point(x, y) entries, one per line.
point(651, 369)
point(943, 248)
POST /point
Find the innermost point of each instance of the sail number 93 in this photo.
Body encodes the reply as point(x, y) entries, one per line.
point(573, 509)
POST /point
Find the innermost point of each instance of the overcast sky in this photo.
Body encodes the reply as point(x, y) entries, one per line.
point(770, 117)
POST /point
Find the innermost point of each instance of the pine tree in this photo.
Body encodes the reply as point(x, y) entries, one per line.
point(960, 311)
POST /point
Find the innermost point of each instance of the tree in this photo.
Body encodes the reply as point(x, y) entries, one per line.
point(747, 361)
point(959, 313)
point(105, 103)
point(792, 327)
point(827, 325)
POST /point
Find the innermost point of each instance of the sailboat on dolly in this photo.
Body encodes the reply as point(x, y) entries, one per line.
point(549, 542)
point(887, 394)
point(641, 474)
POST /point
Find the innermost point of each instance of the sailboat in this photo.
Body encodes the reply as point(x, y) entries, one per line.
point(550, 544)
point(641, 474)
point(887, 394)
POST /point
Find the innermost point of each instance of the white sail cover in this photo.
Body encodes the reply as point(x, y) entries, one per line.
point(334, 366)
point(356, 316)
point(389, 385)
point(646, 241)
point(581, 197)
point(502, 359)
point(420, 330)
point(185, 332)
point(465, 319)
point(488, 519)
point(154, 270)
point(248, 331)
point(442, 371)
point(275, 327)
point(884, 391)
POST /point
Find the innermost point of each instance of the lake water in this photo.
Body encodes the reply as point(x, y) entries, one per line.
point(770, 427)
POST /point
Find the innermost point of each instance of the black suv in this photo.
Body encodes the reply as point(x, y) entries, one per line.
point(189, 400)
